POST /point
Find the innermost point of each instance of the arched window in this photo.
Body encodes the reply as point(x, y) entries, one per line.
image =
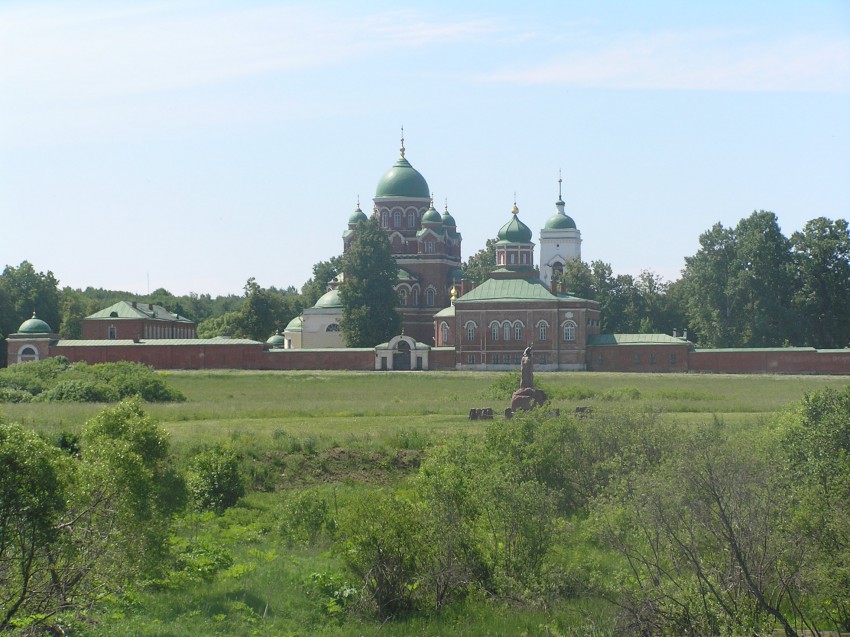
point(444, 333)
point(397, 219)
point(411, 219)
point(333, 327)
point(112, 332)
point(543, 330)
point(569, 331)
point(501, 258)
point(415, 296)
point(429, 297)
point(513, 258)
point(385, 219)
point(495, 329)
point(402, 297)
point(507, 327)
point(518, 331)
point(27, 354)
point(524, 258)
point(470, 331)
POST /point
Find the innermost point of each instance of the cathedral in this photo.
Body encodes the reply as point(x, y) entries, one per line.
point(488, 326)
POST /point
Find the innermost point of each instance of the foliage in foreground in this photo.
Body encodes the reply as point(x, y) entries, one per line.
point(75, 528)
point(55, 380)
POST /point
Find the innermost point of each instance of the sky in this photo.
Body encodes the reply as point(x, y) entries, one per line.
point(191, 145)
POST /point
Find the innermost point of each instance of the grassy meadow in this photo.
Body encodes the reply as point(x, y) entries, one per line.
point(336, 435)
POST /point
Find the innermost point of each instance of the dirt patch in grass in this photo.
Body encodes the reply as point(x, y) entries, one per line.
point(341, 464)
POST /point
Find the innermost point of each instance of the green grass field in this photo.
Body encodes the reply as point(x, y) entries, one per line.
point(340, 434)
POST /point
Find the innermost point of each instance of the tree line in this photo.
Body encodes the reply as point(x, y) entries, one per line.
point(747, 286)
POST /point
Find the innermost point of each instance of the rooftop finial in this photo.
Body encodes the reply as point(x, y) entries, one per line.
point(559, 185)
point(402, 141)
point(447, 205)
point(515, 210)
point(358, 202)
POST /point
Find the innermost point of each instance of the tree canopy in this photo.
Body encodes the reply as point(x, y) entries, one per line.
point(367, 292)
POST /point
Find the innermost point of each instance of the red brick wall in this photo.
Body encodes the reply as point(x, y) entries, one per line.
point(638, 358)
point(790, 361)
point(221, 356)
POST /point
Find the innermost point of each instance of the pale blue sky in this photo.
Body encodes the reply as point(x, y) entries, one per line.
point(190, 145)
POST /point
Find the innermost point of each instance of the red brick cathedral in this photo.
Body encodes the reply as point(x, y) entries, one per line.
point(425, 244)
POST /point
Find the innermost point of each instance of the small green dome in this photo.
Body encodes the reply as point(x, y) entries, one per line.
point(295, 325)
point(431, 215)
point(276, 340)
point(34, 326)
point(403, 180)
point(559, 222)
point(448, 220)
point(515, 231)
point(357, 216)
point(329, 299)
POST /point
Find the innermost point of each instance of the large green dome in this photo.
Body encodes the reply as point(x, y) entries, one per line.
point(34, 326)
point(276, 340)
point(403, 180)
point(560, 222)
point(515, 231)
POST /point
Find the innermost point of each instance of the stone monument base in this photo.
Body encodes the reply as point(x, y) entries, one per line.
point(526, 398)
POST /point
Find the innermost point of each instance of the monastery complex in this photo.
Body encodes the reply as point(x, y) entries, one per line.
point(446, 323)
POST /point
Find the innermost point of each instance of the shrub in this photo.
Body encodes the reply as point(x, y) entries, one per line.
point(213, 480)
point(79, 391)
point(304, 515)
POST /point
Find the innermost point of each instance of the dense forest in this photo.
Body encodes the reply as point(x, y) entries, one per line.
point(747, 286)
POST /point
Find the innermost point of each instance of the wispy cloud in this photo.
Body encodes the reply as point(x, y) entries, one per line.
point(94, 51)
point(695, 60)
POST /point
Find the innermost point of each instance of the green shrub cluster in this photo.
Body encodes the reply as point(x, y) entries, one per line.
point(55, 380)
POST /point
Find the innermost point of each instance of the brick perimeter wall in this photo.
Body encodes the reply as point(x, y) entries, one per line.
point(770, 362)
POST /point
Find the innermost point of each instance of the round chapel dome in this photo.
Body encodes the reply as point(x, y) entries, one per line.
point(357, 216)
point(329, 299)
point(402, 180)
point(431, 215)
point(34, 326)
point(560, 222)
point(276, 340)
point(515, 231)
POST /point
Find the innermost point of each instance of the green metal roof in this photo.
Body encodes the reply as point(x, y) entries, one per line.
point(34, 326)
point(514, 231)
point(403, 180)
point(431, 215)
point(635, 339)
point(509, 290)
point(329, 299)
point(404, 275)
point(446, 313)
point(559, 222)
point(295, 325)
point(357, 216)
point(138, 310)
point(762, 349)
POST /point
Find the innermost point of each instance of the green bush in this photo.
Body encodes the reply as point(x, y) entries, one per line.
point(304, 515)
point(214, 480)
point(14, 395)
point(79, 391)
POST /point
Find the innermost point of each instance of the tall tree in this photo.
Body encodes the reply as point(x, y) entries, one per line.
point(711, 308)
point(763, 281)
point(821, 255)
point(739, 284)
point(479, 266)
point(367, 291)
point(317, 285)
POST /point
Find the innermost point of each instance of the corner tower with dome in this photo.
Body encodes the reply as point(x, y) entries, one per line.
point(560, 241)
point(425, 243)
